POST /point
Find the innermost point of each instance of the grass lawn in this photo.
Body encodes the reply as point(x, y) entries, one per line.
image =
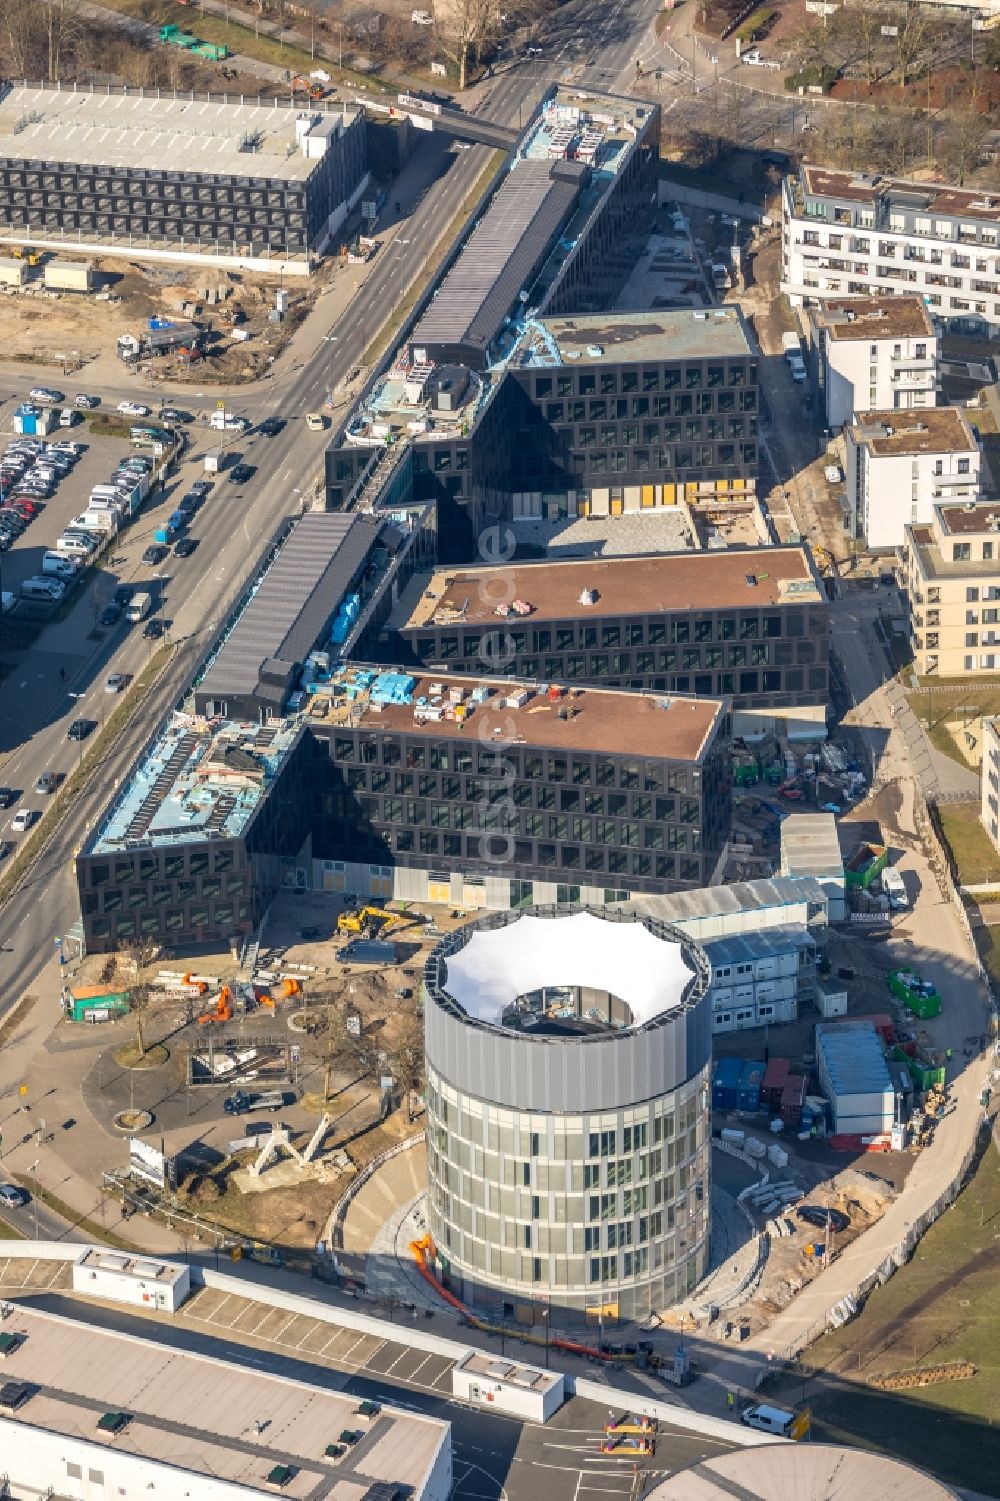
point(938, 700)
point(974, 855)
point(941, 1307)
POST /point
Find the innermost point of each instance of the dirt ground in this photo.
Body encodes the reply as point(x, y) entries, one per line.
point(70, 330)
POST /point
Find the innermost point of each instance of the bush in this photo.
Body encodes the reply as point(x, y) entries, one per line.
point(756, 27)
point(812, 77)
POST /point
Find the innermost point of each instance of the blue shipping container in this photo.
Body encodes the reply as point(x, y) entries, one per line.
point(748, 1090)
point(725, 1081)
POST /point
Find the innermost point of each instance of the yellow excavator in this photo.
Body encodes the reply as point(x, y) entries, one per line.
point(375, 920)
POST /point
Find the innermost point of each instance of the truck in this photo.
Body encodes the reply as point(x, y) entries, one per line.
point(243, 1101)
point(68, 276)
point(173, 36)
point(157, 341)
point(790, 345)
point(139, 606)
point(895, 890)
point(13, 272)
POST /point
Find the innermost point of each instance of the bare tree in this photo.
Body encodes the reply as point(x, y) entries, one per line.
point(406, 1057)
point(961, 143)
point(464, 28)
point(133, 958)
point(913, 28)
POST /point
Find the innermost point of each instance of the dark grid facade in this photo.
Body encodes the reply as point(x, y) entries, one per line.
point(205, 890)
point(776, 657)
point(611, 820)
point(67, 198)
point(580, 429)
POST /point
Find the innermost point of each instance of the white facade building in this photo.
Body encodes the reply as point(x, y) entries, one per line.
point(142, 1281)
point(759, 979)
point(899, 465)
point(990, 790)
point(873, 354)
point(850, 234)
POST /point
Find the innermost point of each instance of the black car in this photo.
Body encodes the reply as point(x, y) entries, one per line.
point(185, 547)
point(190, 501)
point(80, 729)
point(819, 1216)
point(171, 414)
point(7, 847)
point(241, 474)
point(123, 594)
point(152, 630)
point(111, 614)
point(271, 426)
point(8, 797)
point(155, 553)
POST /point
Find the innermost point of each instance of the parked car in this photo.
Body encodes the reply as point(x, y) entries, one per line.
point(117, 682)
point(819, 1216)
point(22, 820)
point(86, 403)
point(155, 553)
point(80, 729)
point(132, 409)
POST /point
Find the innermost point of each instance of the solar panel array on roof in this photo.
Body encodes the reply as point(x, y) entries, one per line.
point(278, 622)
point(501, 257)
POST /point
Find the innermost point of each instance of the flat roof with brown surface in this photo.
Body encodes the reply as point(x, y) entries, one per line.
point(935, 198)
point(712, 580)
point(934, 430)
point(197, 1413)
point(663, 726)
point(847, 318)
point(964, 521)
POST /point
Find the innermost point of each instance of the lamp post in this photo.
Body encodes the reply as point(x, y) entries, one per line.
point(545, 1316)
point(34, 1192)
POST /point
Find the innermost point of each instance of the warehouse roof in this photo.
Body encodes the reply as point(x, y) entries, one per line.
point(810, 846)
point(502, 256)
point(716, 579)
point(290, 608)
point(727, 901)
point(800, 1472)
point(855, 1059)
point(588, 720)
point(150, 132)
point(177, 1420)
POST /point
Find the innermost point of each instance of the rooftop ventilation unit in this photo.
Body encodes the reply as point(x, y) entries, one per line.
point(588, 597)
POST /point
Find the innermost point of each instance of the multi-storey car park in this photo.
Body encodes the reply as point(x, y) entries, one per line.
point(179, 178)
point(614, 411)
point(567, 1113)
point(860, 235)
point(749, 624)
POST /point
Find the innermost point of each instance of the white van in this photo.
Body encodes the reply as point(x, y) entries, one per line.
point(68, 417)
point(895, 889)
point(776, 1420)
point(226, 422)
point(74, 547)
point(48, 589)
point(59, 566)
point(94, 520)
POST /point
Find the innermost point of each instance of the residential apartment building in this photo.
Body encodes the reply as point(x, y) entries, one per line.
point(851, 234)
point(953, 586)
point(899, 465)
point(748, 624)
point(990, 787)
point(872, 354)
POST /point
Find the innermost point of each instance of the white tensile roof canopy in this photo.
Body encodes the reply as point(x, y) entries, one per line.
point(624, 958)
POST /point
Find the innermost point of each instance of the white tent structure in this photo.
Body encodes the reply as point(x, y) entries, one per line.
point(626, 959)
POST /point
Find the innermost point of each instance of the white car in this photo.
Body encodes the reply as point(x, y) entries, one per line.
point(43, 394)
point(22, 820)
point(132, 409)
point(12, 1197)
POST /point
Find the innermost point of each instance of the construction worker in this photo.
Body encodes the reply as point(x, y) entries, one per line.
point(947, 1055)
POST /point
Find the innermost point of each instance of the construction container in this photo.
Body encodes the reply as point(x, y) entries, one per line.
point(854, 1076)
point(725, 1083)
point(792, 1099)
point(865, 866)
point(917, 995)
point(831, 998)
point(94, 1003)
point(68, 276)
point(35, 421)
point(773, 1083)
point(882, 1022)
point(748, 1089)
point(925, 1069)
point(13, 273)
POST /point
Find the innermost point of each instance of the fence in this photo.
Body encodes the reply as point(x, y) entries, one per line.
point(339, 1212)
